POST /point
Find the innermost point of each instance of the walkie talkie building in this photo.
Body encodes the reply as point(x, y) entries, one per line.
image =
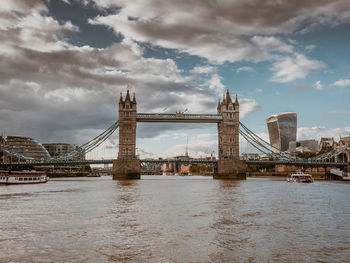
point(282, 129)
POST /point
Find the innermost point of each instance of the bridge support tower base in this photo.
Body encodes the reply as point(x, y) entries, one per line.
point(126, 169)
point(231, 170)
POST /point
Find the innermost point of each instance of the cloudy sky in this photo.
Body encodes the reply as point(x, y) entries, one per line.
point(64, 63)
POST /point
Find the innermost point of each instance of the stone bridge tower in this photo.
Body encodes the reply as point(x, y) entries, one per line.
point(127, 166)
point(127, 127)
point(229, 164)
point(228, 135)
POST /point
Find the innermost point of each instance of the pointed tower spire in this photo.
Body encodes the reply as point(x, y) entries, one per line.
point(219, 106)
point(121, 97)
point(236, 101)
point(133, 98)
point(228, 97)
point(127, 98)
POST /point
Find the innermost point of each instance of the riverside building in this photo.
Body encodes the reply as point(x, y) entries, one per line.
point(22, 145)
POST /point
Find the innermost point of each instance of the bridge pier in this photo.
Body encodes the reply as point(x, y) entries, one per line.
point(231, 170)
point(126, 169)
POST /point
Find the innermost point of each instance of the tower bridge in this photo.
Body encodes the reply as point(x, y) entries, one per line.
point(229, 166)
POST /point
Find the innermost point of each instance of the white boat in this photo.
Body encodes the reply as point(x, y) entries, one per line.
point(23, 177)
point(300, 177)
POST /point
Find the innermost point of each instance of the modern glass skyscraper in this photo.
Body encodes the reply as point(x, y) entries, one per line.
point(282, 129)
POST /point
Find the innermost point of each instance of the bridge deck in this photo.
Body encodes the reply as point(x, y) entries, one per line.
point(152, 161)
point(178, 117)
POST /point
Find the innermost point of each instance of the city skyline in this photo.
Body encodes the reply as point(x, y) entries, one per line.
point(65, 62)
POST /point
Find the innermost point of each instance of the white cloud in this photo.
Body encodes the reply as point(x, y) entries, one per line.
point(341, 83)
point(291, 68)
point(244, 69)
point(247, 106)
point(215, 84)
point(196, 150)
point(310, 47)
point(203, 70)
point(271, 43)
point(24, 7)
point(317, 132)
point(318, 86)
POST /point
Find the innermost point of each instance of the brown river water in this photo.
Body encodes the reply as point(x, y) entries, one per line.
point(175, 219)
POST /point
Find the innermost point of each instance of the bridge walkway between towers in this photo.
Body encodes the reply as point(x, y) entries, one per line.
point(178, 117)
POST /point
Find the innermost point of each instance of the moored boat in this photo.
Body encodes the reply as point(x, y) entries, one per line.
point(300, 177)
point(23, 177)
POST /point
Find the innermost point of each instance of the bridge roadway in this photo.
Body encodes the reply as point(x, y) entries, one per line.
point(152, 161)
point(178, 117)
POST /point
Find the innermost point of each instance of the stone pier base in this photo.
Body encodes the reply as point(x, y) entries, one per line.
point(126, 169)
point(231, 170)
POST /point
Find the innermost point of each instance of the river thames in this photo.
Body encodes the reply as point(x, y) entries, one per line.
point(175, 219)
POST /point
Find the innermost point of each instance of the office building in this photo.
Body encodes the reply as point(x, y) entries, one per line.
point(282, 129)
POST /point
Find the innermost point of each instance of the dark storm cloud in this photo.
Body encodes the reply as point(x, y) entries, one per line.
point(53, 91)
point(57, 69)
point(228, 31)
point(225, 16)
